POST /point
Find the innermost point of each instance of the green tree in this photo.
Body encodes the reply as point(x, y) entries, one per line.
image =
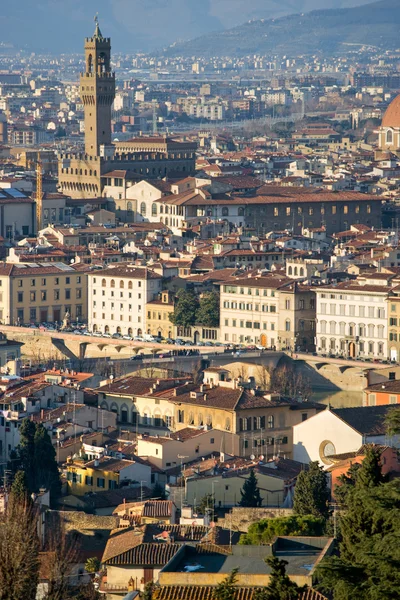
point(206, 504)
point(92, 565)
point(225, 590)
point(36, 457)
point(370, 473)
point(88, 592)
point(311, 494)
point(185, 309)
point(392, 421)
point(19, 552)
point(250, 492)
point(148, 591)
point(26, 453)
point(158, 491)
point(368, 561)
point(208, 311)
point(19, 488)
point(280, 586)
point(47, 473)
point(346, 484)
point(265, 530)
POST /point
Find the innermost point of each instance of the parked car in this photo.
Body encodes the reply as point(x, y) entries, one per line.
point(136, 357)
point(116, 336)
point(169, 341)
point(138, 338)
point(97, 334)
point(127, 337)
point(106, 335)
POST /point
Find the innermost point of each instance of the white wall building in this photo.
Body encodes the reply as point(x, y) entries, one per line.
point(339, 430)
point(352, 317)
point(117, 299)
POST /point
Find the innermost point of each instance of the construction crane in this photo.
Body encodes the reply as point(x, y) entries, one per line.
point(39, 194)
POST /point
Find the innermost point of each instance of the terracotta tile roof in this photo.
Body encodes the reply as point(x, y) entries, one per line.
point(139, 386)
point(110, 498)
point(130, 271)
point(126, 547)
point(206, 592)
point(215, 397)
point(109, 464)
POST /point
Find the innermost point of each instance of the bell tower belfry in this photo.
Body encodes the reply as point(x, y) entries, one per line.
point(97, 90)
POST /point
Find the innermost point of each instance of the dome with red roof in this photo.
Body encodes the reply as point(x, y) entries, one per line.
point(391, 118)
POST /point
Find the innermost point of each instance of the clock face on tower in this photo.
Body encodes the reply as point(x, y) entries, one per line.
point(326, 450)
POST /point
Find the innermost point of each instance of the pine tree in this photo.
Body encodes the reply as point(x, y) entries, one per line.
point(185, 309)
point(346, 484)
point(311, 494)
point(26, 453)
point(208, 311)
point(392, 421)
point(280, 586)
point(206, 504)
point(158, 491)
point(250, 493)
point(47, 473)
point(368, 565)
point(370, 472)
point(226, 589)
point(19, 488)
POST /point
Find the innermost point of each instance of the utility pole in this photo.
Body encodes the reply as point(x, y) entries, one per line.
point(182, 457)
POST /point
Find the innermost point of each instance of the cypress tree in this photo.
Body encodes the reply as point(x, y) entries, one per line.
point(250, 493)
point(311, 494)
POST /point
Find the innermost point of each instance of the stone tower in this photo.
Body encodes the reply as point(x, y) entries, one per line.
point(97, 90)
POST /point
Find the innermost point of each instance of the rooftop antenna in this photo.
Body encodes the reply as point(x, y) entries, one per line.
point(39, 194)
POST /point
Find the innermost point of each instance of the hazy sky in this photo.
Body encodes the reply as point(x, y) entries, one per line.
point(136, 25)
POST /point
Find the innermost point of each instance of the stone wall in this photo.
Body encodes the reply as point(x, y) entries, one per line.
point(239, 519)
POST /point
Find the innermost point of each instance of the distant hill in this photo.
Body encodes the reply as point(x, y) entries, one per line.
point(329, 31)
point(135, 25)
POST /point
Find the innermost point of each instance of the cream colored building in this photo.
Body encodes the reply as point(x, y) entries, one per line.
point(352, 317)
point(117, 299)
point(41, 292)
point(191, 442)
point(269, 310)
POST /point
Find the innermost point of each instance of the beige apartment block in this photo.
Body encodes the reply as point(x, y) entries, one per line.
point(41, 292)
point(270, 310)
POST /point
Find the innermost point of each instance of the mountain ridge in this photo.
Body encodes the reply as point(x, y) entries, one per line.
point(134, 25)
point(326, 30)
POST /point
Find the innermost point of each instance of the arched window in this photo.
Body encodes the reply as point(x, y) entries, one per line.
point(191, 418)
point(301, 272)
point(112, 283)
point(241, 211)
point(154, 209)
point(389, 136)
point(209, 420)
point(287, 325)
point(295, 271)
point(143, 209)
point(129, 206)
point(90, 63)
point(200, 419)
point(122, 284)
point(270, 422)
point(130, 285)
point(103, 283)
point(225, 211)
